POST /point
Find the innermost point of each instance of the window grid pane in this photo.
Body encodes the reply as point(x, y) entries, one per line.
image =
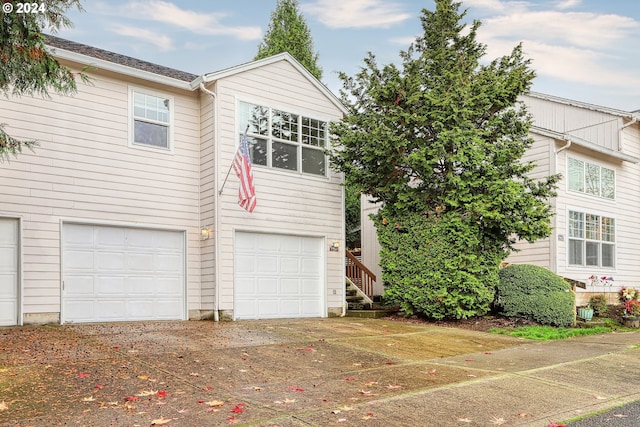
point(284, 156)
point(576, 175)
point(576, 224)
point(284, 125)
point(592, 179)
point(313, 161)
point(313, 132)
point(608, 229)
point(592, 225)
point(608, 183)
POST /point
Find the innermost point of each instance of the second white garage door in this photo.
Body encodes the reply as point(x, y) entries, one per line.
point(278, 276)
point(122, 274)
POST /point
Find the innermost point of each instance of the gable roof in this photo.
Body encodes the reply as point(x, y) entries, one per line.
point(284, 56)
point(127, 65)
point(587, 106)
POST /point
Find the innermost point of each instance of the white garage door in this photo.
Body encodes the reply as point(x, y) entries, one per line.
point(122, 274)
point(9, 241)
point(278, 276)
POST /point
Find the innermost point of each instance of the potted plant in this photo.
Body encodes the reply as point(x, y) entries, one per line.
point(599, 304)
point(585, 313)
point(629, 299)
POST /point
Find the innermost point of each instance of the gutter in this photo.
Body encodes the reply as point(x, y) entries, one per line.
point(216, 231)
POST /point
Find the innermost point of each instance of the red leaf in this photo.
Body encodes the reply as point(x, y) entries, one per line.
point(99, 386)
point(116, 347)
point(233, 420)
point(468, 360)
point(162, 393)
point(350, 379)
point(131, 398)
point(237, 410)
point(208, 388)
point(83, 375)
point(487, 352)
point(200, 401)
point(388, 363)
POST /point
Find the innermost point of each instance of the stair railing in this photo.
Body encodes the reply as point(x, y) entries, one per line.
point(359, 274)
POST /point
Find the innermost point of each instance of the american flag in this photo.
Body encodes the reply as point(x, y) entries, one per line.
point(242, 167)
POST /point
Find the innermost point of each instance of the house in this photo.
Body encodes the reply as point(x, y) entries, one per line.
point(127, 210)
point(597, 208)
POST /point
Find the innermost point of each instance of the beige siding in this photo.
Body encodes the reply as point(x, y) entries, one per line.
point(625, 209)
point(84, 170)
point(541, 153)
point(287, 202)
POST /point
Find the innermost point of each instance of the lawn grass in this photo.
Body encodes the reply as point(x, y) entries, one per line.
point(547, 333)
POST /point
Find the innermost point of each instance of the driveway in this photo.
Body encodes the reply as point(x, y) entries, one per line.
point(338, 371)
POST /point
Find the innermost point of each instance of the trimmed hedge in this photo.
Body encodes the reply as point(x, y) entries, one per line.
point(534, 293)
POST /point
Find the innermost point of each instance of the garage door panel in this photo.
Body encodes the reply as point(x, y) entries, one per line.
point(286, 283)
point(78, 260)
point(290, 286)
point(169, 241)
point(134, 274)
point(168, 262)
point(289, 265)
point(79, 286)
point(140, 262)
point(267, 286)
point(266, 264)
point(110, 286)
point(310, 266)
point(8, 288)
point(110, 237)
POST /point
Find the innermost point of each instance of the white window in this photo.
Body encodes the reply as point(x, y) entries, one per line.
point(151, 119)
point(283, 140)
point(590, 178)
point(591, 240)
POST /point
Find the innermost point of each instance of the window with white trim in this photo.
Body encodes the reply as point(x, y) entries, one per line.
point(591, 240)
point(151, 119)
point(283, 140)
point(590, 178)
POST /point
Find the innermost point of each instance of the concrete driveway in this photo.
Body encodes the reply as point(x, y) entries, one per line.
point(320, 372)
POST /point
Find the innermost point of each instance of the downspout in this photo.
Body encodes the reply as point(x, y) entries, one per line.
point(344, 256)
point(567, 145)
point(633, 121)
point(216, 233)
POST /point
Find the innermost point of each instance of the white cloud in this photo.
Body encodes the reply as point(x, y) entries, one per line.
point(163, 42)
point(573, 28)
point(568, 4)
point(356, 13)
point(194, 21)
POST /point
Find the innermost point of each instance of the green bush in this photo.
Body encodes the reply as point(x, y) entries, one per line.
point(534, 293)
point(435, 266)
point(599, 304)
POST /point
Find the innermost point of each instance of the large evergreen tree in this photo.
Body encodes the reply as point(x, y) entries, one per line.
point(288, 32)
point(26, 67)
point(439, 141)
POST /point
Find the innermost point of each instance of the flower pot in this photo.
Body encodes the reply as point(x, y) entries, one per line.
point(631, 322)
point(585, 314)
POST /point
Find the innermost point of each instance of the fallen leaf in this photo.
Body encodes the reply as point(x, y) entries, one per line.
point(336, 411)
point(431, 372)
point(99, 386)
point(498, 421)
point(143, 377)
point(464, 420)
point(365, 392)
point(181, 411)
point(342, 420)
point(4, 406)
point(88, 399)
point(368, 416)
point(233, 419)
point(194, 374)
point(131, 398)
point(310, 348)
point(208, 388)
point(350, 379)
point(160, 421)
point(162, 393)
point(346, 408)
point(215, 403)
point(237, 410)
point(82, 375)
point(468, 360)
point(370, 383)
point(289, 401)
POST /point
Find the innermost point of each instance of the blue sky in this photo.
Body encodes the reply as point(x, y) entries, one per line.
point(585, 50)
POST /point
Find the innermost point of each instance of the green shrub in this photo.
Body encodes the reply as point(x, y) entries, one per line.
point(534, 293)
point(599, 304)
point(435, 266)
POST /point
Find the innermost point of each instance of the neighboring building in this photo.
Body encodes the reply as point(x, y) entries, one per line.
point(127, 210)
point(597, 208)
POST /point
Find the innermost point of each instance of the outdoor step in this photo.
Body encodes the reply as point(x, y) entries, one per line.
point(370, 314)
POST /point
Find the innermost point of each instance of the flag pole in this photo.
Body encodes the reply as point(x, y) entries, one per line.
point(231, 166)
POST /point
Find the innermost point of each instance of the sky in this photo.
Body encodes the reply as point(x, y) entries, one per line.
point(585, 50)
